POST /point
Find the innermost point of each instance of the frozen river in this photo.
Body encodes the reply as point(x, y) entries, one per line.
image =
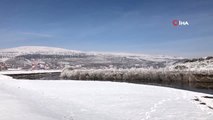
point(93, 100)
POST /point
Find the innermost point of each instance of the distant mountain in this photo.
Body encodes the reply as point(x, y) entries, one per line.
point(37, 50)
point(40, 57)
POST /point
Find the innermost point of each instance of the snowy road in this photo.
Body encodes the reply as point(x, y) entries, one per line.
point(88, 100)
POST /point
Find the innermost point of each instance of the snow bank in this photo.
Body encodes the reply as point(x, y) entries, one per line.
point(28, 72)
point(4, 77)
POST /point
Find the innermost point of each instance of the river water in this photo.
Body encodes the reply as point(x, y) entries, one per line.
point(195, 86)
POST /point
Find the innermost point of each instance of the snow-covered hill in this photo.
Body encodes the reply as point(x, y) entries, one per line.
point(24, 57)
point(37, 50)
point(138, 56)
point(60, 51)
point(200, 64)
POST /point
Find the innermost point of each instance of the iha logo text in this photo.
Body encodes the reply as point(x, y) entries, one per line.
point(180, 23)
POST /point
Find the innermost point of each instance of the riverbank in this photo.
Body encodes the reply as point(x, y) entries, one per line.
point(183, 72)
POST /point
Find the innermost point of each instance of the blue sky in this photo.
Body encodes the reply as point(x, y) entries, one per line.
point(140, 26)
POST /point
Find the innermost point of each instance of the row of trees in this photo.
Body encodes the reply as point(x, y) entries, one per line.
point(138, 75)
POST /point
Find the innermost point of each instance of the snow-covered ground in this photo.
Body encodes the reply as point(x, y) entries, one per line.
point(92, 100)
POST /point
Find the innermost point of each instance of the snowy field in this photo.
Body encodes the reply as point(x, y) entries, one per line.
point(93, 100)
